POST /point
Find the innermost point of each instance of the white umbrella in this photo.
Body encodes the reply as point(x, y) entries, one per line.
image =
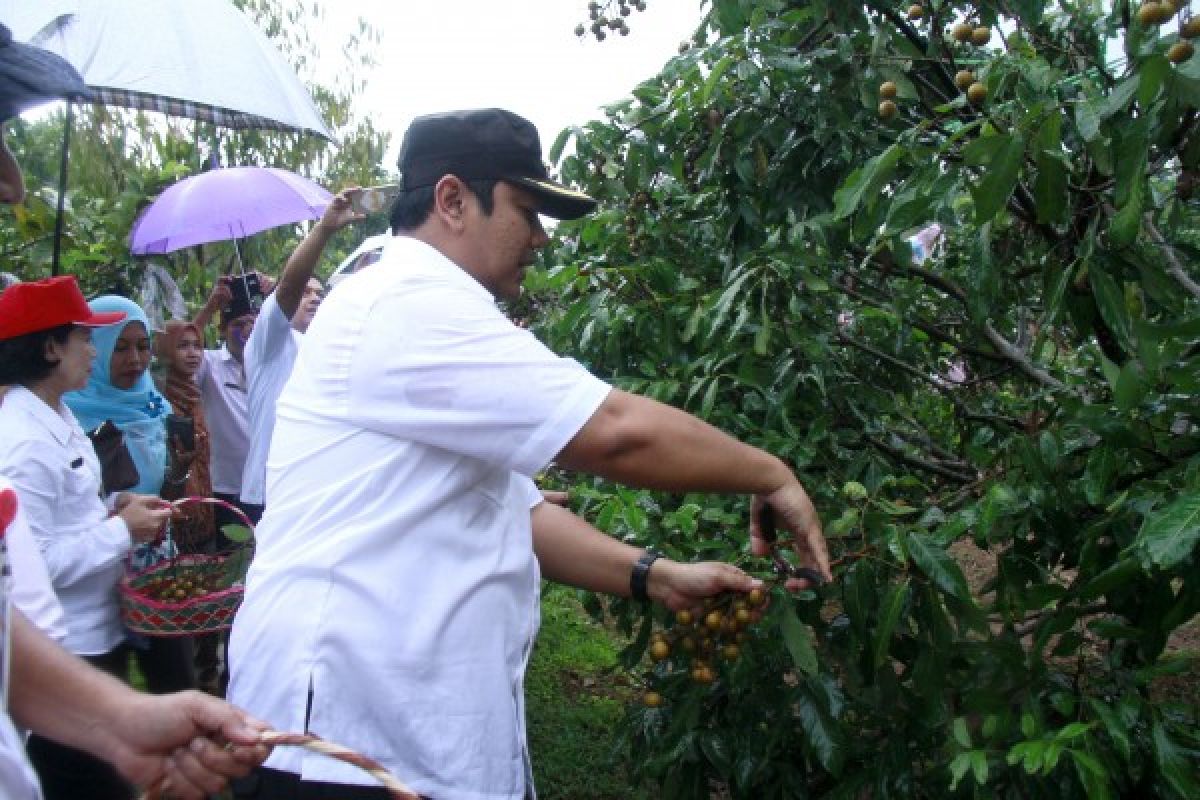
point(202, 59)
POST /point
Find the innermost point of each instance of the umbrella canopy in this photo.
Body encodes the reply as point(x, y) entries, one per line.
point(226, 204)
point(202, 59)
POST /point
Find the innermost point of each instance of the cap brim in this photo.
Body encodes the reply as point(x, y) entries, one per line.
point(556, 200)
point(102, 319)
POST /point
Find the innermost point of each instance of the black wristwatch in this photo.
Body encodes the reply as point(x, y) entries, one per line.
point(637, 579)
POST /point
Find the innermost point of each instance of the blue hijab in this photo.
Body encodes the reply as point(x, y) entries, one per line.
point(140, 412)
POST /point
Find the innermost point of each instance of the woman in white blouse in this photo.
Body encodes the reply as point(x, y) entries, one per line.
point(84, 538)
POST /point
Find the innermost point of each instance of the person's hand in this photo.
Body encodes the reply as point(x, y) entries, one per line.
point(796, 514)
point(265, 282)
point(341, 210)
point(145, 516)
point(678, 586)
point(558, 498)
point(188, 744)
point(221, 294)
point(181, 457)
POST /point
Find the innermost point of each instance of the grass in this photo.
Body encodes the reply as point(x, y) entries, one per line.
point(574, 701)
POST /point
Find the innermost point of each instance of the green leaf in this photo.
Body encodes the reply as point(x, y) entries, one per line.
point(714, 77)
point(1110, 299)
point(1114, 726)
point(1092, 775)
point(979, 766)
point(1173, 764)
point(1000, 178)
point(798, 638)
point(236, 533)
point(960, 732)
point(938, 566)
point(1050, 187)
point(821, 734)
point(866, 181)
point(958, 768)
point(1169, 535)
point(1131, 151)
point(893, 605)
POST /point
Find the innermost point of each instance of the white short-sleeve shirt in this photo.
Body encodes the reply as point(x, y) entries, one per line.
point(53, 467)
point(394, 573)
point(269, 356)
point(223, 391)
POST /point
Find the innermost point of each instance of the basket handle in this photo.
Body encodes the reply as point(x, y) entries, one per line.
point(159, 790)
point(213, 501)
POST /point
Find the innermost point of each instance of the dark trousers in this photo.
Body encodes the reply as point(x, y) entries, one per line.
point(166, 663)
point(70, 774)
point(211, 670)
point(272, 784)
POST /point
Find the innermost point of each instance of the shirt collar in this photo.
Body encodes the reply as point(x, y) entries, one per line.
point(407, 249)
point(60, 422)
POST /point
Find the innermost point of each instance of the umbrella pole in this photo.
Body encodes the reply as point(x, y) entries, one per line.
point(62, 187)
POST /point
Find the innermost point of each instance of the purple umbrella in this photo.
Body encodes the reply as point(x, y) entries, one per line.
point(223, 204)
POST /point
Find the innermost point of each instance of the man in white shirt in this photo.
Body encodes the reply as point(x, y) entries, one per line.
point(393, 598)
point(224, 390)
point(271, 349)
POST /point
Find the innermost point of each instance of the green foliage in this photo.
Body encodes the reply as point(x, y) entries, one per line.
point(120, 161)
point(1027, 392)
point(572, 703)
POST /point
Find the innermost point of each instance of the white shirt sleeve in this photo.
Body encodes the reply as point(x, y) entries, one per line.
point(69, 558)
point(447, 369)
point(271, 332)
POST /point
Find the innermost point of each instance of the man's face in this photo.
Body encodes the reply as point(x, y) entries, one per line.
point(236, 333)
point(504, 243)
point(12, 184)
point(314, 292)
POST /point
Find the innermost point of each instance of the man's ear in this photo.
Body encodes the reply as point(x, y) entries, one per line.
point(450, 198)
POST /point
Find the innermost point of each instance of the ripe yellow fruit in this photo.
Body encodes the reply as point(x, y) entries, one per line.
point(962, 32)
point(1180, 52)
point(684, 618)
point(659, 651)
point(703, 675)
point(1191, 28)
point(976, 93)
point(981, 36)
point(742, 616)
point(755, 598)
point(915, 11)
point(713, 620)
point(887, 109)
point(730, 652)
point(1151, 13)
point(964, 78)
point(652, 699)
point(887, 90)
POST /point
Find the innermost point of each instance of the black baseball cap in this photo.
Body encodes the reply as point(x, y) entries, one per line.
point(30, 76)
point(485, 144)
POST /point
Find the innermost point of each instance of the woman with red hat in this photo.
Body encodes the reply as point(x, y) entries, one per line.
point(45, 352)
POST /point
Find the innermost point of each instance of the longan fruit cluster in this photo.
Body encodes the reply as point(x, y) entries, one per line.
point(182, 584)
point(695, 642)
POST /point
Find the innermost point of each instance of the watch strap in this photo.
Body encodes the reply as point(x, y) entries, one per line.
point(637, 578)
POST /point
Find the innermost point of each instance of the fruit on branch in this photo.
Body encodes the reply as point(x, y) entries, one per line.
point(976, 93)
point(887, 90)
point(915, 11)
point(963, 79)
point(981, 36)
point(962, 32)
point(1180, 52)
point(887, 109)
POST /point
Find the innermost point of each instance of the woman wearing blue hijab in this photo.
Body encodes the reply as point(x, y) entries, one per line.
point(120, 390)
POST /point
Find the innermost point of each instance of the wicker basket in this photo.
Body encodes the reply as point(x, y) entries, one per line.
point(208, 612)
point(197, 608)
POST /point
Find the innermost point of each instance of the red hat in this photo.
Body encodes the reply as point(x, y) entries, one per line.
point(45, 304)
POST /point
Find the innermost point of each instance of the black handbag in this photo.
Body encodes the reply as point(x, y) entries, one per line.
point(117, 470)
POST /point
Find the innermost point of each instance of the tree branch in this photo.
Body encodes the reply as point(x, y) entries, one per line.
point(1175, 269)
point(919, 463)
point(1014, 354)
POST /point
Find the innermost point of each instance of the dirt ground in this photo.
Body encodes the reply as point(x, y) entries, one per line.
point(979, 566)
